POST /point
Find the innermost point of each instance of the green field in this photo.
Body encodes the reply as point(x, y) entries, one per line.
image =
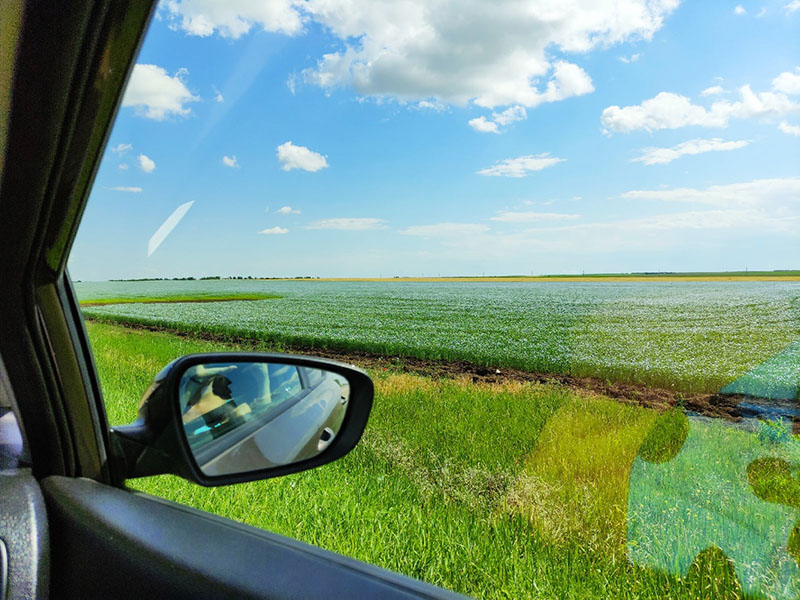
point(690, 337)
point(499, 491)
point(171, 299)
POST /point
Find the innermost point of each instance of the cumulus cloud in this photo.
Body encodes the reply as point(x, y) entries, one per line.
point(445, 230)
point(218, 97)
point(233, 18)
point(661, 156)
point(714, 90)
point(532, 217)
point(777, 193)
point(300, 157)
point(434, 106)
point(483, 125)
point(739, 10)
point(521, 166)
point(287, 210)
point(146, 163)
point(449, 52)
point(121, 149)
point(498, 120)
point(790, 129)
point(123, 166)
point(157, 95)
point(274, 231)
point(122, 188)
point(792, 6)
point(458, 51)
point(230, 161)
point(787, 82)
point(671, 111)
point(349, 224)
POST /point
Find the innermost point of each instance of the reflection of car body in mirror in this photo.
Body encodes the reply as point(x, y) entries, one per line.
point(232, 417)
point(260, 415)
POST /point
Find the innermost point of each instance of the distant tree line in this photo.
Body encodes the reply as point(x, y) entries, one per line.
point(210, 277)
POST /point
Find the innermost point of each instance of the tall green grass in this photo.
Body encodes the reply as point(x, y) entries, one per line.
point(501, 491)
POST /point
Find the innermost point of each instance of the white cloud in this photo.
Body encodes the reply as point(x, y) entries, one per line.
point(671, 111)
point(146, 163)
point(483, 125)
point(748, 219)
point(300, 157)
point(502, 119)
point(123, 166)
point(787, 82)
point(445, 230)
point(762, 12)
point(792, 6)
point(435, 106)
point(739, 10)
point(531, 217)
point(349, 224)
point(777, 193)
point(230, 161)
point(218, 97)
point(287, 210)
point(448, 52)
point(274, 231)
point(233, 18)
point(790, 129)
point(167, 226)
point(510, 115)
point(122, 188)
point(521, 166)
point(630, 59)
point(121, 149)
point(157, 95)
point(458, 52)
point(661, 156)
point(665, 111)
point(714, 90)
point(291, 83)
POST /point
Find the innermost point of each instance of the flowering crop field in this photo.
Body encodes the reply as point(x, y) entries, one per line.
point(689, 336)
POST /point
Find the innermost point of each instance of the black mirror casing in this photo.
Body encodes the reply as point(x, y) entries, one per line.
point(156, 443)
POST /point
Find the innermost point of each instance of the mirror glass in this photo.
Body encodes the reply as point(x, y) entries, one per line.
point(247, 416)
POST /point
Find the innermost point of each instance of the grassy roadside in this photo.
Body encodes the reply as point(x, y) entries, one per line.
point(497, 491)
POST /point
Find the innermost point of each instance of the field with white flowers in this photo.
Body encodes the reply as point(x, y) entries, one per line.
point(686, 336)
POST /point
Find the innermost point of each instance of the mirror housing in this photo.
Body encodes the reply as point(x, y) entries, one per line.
point(156, 443)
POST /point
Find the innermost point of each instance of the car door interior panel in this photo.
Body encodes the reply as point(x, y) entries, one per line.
point(109, 542)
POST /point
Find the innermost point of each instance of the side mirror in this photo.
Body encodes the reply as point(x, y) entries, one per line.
point(217, 419)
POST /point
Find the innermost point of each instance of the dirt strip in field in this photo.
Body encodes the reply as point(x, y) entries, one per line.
point(712, 405)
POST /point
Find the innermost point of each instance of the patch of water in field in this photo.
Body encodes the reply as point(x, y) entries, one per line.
point(689, 335)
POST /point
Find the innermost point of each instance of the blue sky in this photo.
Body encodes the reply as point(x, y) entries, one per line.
point(333, 138)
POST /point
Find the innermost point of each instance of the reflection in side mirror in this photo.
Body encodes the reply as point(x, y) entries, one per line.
point(231, 417)
point(247, 416)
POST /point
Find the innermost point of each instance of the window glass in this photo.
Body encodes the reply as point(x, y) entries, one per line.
point(562, 238)
point(284, 382)
point(314, 376)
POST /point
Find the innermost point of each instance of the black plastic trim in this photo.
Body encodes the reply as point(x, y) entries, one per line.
point(172, 551)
